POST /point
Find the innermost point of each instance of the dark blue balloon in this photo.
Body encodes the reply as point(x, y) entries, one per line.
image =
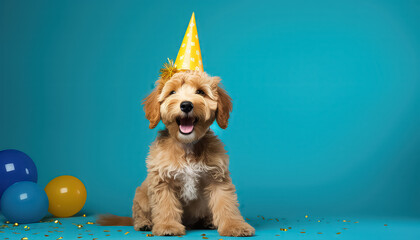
point(24, 202)
point(15, 166)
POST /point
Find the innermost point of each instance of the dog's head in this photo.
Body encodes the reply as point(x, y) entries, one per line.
point(188, 103)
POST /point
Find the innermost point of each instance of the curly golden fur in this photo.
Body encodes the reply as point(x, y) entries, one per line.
point(188, 181)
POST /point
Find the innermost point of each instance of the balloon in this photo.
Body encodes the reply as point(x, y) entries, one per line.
point(15, 166)
point(67, 195)
point(24, 202)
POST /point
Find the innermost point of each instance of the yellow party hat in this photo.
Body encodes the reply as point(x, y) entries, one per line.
point(189, 55)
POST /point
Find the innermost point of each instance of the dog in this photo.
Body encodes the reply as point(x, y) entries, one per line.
point(188, 182)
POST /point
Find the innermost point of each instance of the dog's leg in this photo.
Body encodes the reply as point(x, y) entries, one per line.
point(141, 209)
point(224, 207)
point(166, 211)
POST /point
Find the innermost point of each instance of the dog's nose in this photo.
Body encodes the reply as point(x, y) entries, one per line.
point(186, 106)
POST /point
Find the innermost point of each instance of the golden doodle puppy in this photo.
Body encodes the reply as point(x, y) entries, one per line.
point(188, 182)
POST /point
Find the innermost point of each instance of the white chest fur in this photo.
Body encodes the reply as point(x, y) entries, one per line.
point(190, 176)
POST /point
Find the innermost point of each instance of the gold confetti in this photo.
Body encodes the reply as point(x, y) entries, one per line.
point(319, 232)
point(344, 221)
point(79, 237)
point(277, 219)
point(24, 238)
point(283, 229)
point(290, 227)
point(306, 216)
point(15, 224)
point(79, 226)
point(90, 223)
point(356, 222)
point(46, 235)
point(119, 230)
point(59, 238)
point(203, 234)
point(302, 232)
point(107, 235)
point(205, 238)
point(277, 235)
point(385, 225)
point(149, 235)
point(339, 233)
point(50, 231)
point(94, 239)
point(126, 233)
point(106, 230)
point(84, 215)
point(7, 222)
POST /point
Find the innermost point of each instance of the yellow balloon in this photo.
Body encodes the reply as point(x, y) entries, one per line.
point(66, 194)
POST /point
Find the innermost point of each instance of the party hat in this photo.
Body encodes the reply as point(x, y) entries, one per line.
point(189, 55)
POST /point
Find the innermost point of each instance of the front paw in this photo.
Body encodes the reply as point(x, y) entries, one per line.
point(170, 229)
point(236, 229)
point(142, 225)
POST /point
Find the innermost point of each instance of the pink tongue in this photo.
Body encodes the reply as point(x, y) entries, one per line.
point(186, 125)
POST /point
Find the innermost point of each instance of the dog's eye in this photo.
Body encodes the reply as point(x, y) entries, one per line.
point(172, 92)
point(200, 92)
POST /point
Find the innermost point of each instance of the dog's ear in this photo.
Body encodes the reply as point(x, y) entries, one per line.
point(224, 107)
point(152, 108)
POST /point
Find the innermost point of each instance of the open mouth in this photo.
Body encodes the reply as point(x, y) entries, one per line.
point(186, 124)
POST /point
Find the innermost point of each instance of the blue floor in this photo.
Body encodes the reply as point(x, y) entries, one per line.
point(266, 228)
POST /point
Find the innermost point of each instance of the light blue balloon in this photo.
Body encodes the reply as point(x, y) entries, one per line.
point(24, 202)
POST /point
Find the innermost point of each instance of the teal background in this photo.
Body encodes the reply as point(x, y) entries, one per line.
point(326, 97)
